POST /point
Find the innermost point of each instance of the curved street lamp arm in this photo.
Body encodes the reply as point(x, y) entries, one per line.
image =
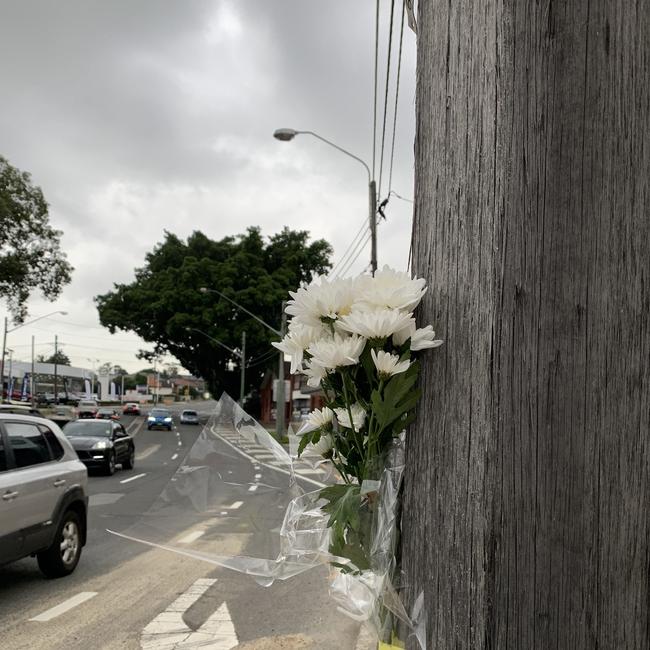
point(207, 336)
point(250, 313)
point(341, 149)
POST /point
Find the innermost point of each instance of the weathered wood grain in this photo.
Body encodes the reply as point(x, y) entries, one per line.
point(527, 500)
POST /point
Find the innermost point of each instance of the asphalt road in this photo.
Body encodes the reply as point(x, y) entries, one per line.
point(126, 595)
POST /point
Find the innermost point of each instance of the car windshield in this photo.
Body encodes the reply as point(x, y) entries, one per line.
point(92, 429)
point(87, 403)
point(160, 413)
point(189, 412)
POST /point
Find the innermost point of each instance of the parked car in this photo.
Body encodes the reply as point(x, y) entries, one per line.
point(44, 501)
point(101, 444)
point(107, 413)
point(188, 416)
point(62, 414)
point(131, 408)
point(159, 418)
point(20, 409)
point(87, 408)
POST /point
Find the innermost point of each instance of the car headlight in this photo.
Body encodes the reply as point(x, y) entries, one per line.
point(102, 444)
point(151, 419)
point(168, 419)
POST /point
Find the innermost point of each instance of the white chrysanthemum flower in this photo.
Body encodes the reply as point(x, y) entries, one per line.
point(315, 374)
point(358, 417)
point(324, 445)
point(421, 339)
point(388, 364)
point(317, 419)
point(337, 351)
point(297, 341)
point(375, 324)
point(401, 336)
point(424, 338)
point(391, 289)
point(322, 298)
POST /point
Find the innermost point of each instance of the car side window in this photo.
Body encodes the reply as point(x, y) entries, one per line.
point(27, 443)
point(53, 442)
point(3, 455)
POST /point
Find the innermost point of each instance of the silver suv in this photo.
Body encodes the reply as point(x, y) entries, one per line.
point(43, 495)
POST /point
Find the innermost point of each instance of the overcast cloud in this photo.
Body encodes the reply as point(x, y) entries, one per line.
point(139, 116)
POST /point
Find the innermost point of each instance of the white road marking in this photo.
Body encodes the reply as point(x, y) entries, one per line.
point(252, 488)
point(180, 443)
point(169, 631)
point(175, 456)
point(258, 476)
point(133, 478)
point(224, 512)
point(65, 606)
point(274, 467)
point(192, 537)
point(236, 505)
point(104, 499)
point(152, 449)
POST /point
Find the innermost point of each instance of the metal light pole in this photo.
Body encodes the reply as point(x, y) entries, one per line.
point(13, 329)
point(32, 383)
point(56, 350)
point(284, 135)
point(279, 421)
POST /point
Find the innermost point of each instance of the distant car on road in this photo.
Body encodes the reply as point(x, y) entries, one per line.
point(87, 408)
point(101, 444)
point(131, 408)
point(107, 413)
point(159, 418)
point(44, 495)
point(189, 416)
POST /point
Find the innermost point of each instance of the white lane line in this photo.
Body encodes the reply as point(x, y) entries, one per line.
point(252, 488)
point(133, 478)
point(192, 537)
point(169, 631)
point(175, 456)
point(236, 505)
point(180, 443)
point(258, 476)
point(65, 606)
point(152, 449)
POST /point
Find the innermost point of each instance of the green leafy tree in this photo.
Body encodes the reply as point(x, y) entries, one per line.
point(165, 307)
point(30, 252)
point(59, 357)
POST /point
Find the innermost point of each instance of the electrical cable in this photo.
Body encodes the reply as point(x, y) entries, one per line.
point(383, 134)
point(398, 196)
point(364, 241)
point(399, 67)
point(354, 254)
point(374, 121)
point(364, 226)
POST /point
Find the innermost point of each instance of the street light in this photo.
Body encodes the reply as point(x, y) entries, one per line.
point(241, 355)
point(13, 329)
point(279, 417)
point(285, 135)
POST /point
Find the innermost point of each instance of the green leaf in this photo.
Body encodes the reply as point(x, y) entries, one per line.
point(304, 441)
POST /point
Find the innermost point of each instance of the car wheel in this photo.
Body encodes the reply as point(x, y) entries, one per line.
point(109, 468)
point(130, 461)
point(148, 428)
point(63, 556)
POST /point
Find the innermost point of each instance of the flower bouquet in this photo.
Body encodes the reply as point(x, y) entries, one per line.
point(357, 340)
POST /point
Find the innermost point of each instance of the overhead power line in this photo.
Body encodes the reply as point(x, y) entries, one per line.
point(383, 134)
point(343, 258)
point(399, 68)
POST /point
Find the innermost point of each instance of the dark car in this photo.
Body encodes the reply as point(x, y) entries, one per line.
point(107, 413)
point(101, 444)
point(188, 416)
point(159, 418)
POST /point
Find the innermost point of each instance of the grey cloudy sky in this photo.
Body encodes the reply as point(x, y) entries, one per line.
point(139, 116)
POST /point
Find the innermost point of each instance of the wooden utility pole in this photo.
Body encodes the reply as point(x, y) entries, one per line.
point(527, 497)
